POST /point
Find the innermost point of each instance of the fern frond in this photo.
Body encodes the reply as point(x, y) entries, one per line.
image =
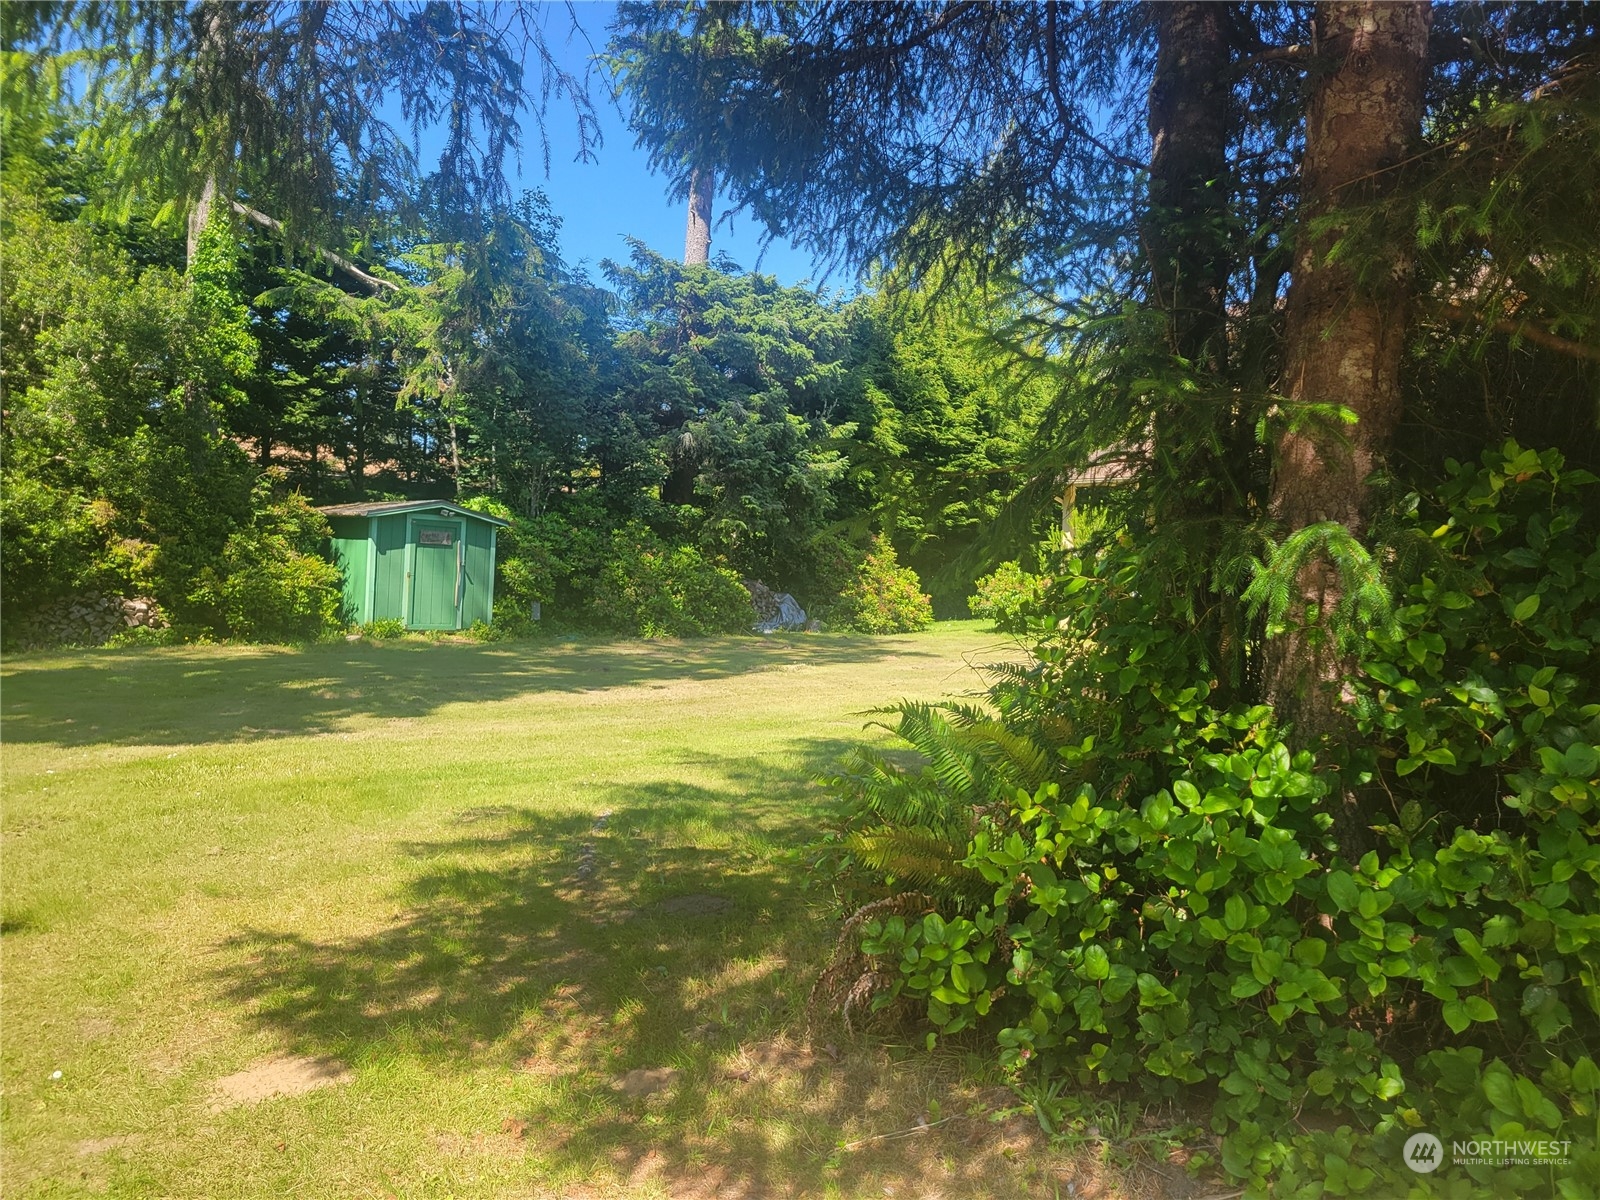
point(914, 854)
point(1022, 760)
point(931, 736)
point(882, 790)
point(965, 715)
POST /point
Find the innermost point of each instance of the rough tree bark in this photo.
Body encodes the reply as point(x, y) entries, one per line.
point(678, 487)
point(697, 235)
point(1190, 97)
point(200, 216)
point(1184, 229)
point(1343, 343)
point(209, 55)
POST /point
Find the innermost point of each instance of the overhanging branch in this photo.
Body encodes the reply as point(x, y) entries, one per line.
point(1295, 56)
point(371, 282)
point(1536, 334)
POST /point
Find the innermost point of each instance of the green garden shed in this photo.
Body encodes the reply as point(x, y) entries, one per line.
point(426, 563)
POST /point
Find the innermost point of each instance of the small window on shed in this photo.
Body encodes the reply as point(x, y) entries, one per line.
point(436, 537)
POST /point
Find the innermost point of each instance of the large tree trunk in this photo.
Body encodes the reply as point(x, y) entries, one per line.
point(1343, 344)
point(1186, 239)
point(358, 464)
point(200, 216)
point(210, 53)
point(1190, 97)
point(702, 194)
point(194, 398)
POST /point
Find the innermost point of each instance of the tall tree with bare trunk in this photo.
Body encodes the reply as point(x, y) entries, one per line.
point(1190, 103)
point(1345, 333)
point(702, 198)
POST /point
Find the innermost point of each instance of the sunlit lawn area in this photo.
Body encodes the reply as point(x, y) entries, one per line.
point(489, 881)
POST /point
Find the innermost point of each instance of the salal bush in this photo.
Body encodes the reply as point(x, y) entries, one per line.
point(1167, 910)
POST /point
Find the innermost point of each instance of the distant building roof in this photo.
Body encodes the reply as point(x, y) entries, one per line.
point(1109, 468)
point(383, 508)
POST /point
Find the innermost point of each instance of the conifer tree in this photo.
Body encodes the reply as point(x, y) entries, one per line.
point(1273, 156)
point(279, 109)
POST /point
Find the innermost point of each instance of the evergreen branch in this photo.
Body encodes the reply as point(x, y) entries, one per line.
point(371, 282)
point(1363, 600)
point(1536, 334)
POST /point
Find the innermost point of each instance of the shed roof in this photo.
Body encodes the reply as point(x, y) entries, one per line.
point(383, 508)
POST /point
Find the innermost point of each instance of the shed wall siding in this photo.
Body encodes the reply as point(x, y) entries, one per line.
point(350, 554)
point(389, 592)
point(479, 584)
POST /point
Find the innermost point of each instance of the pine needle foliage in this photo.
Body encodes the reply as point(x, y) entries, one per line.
point(283, 102)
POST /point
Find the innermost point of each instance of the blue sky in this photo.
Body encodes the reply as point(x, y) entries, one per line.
point(601, 203)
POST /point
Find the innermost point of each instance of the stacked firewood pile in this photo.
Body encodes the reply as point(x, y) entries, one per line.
point(776, 610)
point(763, 599)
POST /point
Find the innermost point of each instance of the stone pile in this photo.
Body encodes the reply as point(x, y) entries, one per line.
point(89, 620)
point(142, 611)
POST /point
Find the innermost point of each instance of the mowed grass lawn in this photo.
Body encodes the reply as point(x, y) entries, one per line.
point(489, 881)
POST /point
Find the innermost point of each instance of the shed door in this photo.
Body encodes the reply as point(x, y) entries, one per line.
point(436, 575)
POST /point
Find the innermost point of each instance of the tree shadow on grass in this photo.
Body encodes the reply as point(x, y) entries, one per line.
point(674, 935)
point(235, 694)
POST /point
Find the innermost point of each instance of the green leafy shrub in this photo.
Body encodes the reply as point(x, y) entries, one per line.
point(554, 559)
point(650, 589)
point(271, 583)
point(118, 479)
point(883, 596)
point(143, 635)
point(1007, 597)
point(384, 629)
point(1490, 678)
point(51, 542)
point(1168, 909)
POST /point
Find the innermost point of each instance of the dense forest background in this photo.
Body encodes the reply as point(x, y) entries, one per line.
point(172, 410)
